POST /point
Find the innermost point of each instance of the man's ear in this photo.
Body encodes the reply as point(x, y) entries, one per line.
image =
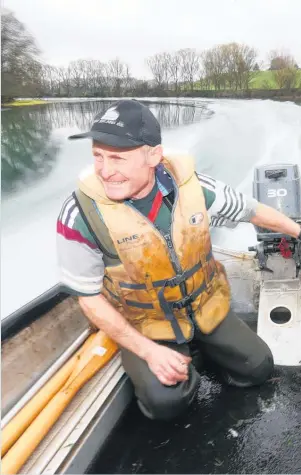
point(155, 155)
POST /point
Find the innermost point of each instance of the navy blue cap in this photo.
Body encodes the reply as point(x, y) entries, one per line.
point(126, 123)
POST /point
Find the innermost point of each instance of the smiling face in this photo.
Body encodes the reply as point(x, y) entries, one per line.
point(126, 172)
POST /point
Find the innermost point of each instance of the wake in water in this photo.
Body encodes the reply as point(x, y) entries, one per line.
point(242, 135)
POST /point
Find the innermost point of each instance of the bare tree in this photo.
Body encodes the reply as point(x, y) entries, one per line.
point(229, 66)
point(19, 58)
point(75, 71)
point(281, 60)
point(175, 70)
point(128, 81)
point(65, 81)
point(246, 64)
point(190, 65)
point(93, 77)
point(119, 73)
point(214, 68)
point(286, 78)
point(159, 65)
point(284, 69)
point(50, 79)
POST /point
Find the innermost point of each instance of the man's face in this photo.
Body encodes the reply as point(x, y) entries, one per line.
point(125, 172)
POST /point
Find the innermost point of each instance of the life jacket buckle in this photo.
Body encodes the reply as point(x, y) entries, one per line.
point(177, 280)
point(183, 302)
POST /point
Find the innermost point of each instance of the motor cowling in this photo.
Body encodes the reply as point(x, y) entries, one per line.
point(278, 186)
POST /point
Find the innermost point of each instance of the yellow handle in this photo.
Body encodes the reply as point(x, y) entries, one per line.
point(97, 354)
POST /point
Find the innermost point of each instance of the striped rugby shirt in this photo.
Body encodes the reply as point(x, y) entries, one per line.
point(80, 260)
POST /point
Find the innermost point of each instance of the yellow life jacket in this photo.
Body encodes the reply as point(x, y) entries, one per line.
point(162, 284)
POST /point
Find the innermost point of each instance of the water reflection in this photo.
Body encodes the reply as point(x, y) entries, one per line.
point(174, 115)
point(30, 151)
point(81, 114)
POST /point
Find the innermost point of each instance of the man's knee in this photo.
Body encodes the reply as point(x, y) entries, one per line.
point(163, 405)
point(155, 400)
point(167, 402)
point(254, 373)
point(263, 371)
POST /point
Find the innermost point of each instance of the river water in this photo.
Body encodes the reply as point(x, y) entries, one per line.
point(40, 167)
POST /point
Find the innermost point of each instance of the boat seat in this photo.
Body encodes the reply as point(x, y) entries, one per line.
point(279, 320)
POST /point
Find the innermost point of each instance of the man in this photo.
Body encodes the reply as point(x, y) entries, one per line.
point(134, 245)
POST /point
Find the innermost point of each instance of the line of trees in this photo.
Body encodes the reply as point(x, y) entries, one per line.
point(284, 69)
point(223, 67)
point(227, 66)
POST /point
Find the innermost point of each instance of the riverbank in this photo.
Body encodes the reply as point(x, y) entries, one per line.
point(25, 102)
point(293, 95)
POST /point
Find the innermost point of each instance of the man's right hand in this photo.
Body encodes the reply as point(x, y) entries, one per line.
point(168, 365)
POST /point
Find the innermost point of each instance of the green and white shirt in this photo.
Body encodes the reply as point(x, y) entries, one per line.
point(81, 261)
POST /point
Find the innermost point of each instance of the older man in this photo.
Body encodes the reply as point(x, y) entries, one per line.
point(134, 245)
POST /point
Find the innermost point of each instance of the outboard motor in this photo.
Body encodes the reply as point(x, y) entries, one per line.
point(278, 186)
point(279, 312)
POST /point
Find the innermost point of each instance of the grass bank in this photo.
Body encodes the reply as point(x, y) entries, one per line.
point(266, 80)
point(261, 81)
point(272, 94)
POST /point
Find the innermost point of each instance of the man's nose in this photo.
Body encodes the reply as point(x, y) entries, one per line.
point(107, 169)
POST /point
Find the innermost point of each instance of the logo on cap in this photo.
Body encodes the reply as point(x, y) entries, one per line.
point(111, 116)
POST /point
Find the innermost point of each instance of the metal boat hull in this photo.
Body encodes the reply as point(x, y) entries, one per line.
point(85, 425)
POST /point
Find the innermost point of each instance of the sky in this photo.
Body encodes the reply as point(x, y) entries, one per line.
point(132, 30)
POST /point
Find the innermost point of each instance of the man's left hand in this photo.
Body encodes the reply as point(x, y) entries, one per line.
point(270, 218)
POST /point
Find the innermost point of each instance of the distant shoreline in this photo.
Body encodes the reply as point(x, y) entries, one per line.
point(273, 94)
point(293, 95)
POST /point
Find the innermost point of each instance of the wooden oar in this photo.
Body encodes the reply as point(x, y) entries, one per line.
point(15, 428)
point(98, 352)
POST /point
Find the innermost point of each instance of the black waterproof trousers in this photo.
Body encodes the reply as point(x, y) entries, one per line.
point(241, 357)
